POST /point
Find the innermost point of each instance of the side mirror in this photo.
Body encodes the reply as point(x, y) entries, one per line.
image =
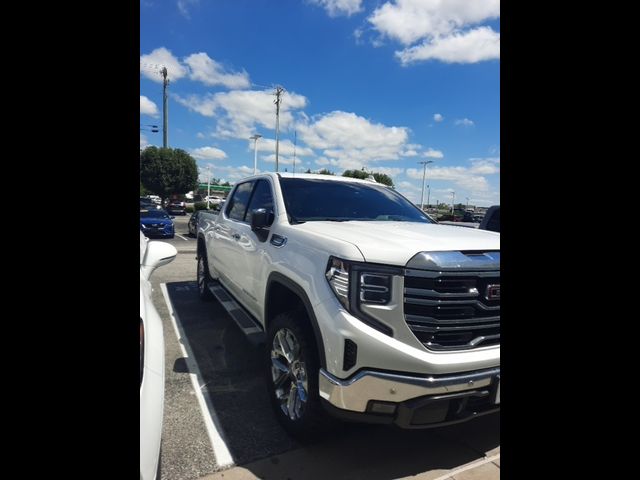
point(157, 255)
point(261, 218)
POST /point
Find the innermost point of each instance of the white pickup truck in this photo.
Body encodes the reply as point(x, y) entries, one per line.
point(367, 309)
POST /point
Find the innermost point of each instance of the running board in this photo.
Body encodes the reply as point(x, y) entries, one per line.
point(253, 331)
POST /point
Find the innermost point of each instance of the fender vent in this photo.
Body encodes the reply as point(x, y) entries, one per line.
point(350, 355)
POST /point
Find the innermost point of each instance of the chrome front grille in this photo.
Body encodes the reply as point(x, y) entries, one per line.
point(453, 309)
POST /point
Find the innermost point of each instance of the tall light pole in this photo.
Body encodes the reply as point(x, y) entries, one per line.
point(453, 202)
point(255, 150)
point(424, 176)
point(467, 203)
point(165, 109)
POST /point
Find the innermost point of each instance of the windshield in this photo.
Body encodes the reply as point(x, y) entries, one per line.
point(153, 214)
point(316, 200)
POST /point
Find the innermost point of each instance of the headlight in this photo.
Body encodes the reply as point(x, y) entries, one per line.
point(357, 283)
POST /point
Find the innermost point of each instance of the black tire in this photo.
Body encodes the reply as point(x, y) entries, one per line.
point(203, 277)
point(312, 421)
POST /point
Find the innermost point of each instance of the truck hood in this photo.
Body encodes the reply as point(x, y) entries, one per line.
point(395, 243)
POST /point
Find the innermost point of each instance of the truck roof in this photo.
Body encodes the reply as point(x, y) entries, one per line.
point(316, 176)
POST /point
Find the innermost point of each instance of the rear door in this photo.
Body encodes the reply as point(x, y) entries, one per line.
point(226, 256)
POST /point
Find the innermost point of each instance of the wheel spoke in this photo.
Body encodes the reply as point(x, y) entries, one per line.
point(291, 401)
point(302, 393)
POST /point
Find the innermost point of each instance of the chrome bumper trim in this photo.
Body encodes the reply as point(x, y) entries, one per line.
point(354, 393)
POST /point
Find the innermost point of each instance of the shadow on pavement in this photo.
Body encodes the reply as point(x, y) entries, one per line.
point(233, 379)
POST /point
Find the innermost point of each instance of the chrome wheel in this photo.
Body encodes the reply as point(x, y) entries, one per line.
point(289, 374)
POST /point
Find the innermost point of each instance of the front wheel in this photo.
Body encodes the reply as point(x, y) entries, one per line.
point(203, 277)
point(292, 376)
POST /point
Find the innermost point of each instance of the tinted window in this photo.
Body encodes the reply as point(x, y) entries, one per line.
point(261, 198)
point(238, 203)
point(311, 199)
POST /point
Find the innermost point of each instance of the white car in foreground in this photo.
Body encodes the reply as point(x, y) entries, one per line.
point(152, 255)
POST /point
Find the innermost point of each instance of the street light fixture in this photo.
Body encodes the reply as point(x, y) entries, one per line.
point(153, 128)
point(255, 151)
point(424, 176)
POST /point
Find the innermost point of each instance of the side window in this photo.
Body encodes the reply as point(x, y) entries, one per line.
point(237, 204)
point(261, 198)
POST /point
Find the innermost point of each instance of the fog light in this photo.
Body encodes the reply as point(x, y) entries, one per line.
point(385, 408)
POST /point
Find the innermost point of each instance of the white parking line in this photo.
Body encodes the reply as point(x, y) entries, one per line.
point(185, 239)
point(455, 471)
point(216, 434)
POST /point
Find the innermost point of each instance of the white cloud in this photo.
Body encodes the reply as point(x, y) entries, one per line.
point(282, 160)
point(198, 67)
point(230, 174)
point(204, 105)
point(206, 70)
point(437, 117)
point(286, 147)
point(208, 153)
point(240, 112)
point(183, 7)
point(353, 141)
point(465, 122)
point(431, 153)
point(200, 135)
point(485, 166)
point(410, 20)
point(466, 178)
point(443, 27)
point(152, 63)
point(473, 46)
point(340, 7)
point(144, 143)
point(147, 107)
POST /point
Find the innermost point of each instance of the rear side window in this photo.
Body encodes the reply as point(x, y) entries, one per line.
point(262, 198)
point(237, 205)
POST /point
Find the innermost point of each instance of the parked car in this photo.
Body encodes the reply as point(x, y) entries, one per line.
point(156, 223)
point(152, 256)
point(491, 220)
point(214, 199)
point(177, 208)
point(148, 204)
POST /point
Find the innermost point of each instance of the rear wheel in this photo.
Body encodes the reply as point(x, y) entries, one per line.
point(292, 376)
point(203, 277)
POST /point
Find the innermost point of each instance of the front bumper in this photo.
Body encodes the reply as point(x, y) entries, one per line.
point(411, 401)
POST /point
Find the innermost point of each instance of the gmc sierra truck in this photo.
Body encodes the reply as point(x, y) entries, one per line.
point(367, 310)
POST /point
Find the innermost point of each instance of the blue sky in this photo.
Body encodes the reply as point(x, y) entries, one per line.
point(375, 84)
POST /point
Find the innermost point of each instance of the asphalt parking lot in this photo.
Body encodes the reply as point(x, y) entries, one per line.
point(218, 422)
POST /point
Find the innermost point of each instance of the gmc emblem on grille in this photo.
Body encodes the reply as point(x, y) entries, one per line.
point(492, 292)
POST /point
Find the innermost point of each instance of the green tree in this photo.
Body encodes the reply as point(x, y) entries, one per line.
point(383, 178)
point(308, 170)
point(324, 171)
point(361, 174)
point(143, 191)
point(380, 177)
point(167, 171)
